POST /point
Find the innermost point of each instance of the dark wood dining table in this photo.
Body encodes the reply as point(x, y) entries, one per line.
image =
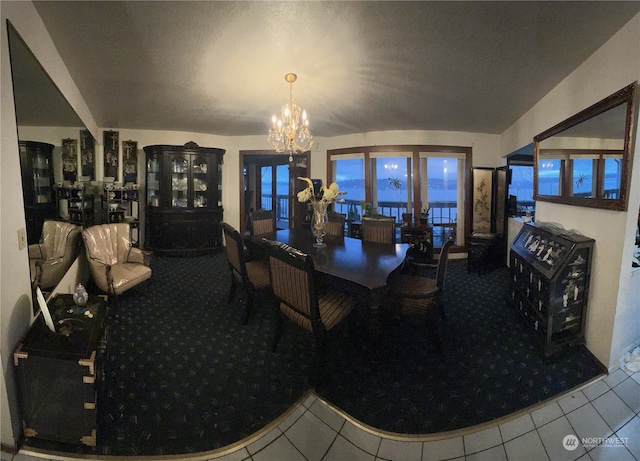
point(360, 268)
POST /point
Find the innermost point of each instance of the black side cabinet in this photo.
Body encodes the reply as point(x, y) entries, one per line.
point(550, 274)
point(36, 165)
point(183, 199)
point(59, 374)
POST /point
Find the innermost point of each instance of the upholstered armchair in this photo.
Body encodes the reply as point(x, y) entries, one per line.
point(114, 263)
point(50, 259)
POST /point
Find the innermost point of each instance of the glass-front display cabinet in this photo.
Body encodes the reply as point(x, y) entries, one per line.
point(184, 199)
point(36, 164)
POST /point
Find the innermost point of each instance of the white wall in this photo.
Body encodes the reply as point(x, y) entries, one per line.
point(613, 317)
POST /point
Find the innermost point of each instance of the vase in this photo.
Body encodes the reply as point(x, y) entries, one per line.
point(80, 295)
point(318, 222)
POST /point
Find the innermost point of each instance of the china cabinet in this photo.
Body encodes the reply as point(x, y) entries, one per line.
point(76, 204)
point(550, 274)
point(36, 164)
point(121, 204)
point(183, 199)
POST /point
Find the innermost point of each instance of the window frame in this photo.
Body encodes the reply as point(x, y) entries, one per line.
point(415, 151)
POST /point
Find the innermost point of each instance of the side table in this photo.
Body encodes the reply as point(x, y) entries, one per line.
point(482, 252)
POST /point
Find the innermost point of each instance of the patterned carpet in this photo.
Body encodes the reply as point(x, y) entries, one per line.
point(184, 375)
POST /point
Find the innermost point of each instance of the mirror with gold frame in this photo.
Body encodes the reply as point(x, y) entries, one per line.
point(586, 160)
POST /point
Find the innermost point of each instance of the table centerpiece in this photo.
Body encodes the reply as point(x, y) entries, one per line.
point(319, 204)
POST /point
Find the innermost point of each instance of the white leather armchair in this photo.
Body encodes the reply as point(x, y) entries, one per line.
point(114, 263)
point(51, 258)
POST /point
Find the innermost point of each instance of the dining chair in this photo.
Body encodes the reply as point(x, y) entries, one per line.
point(252, 276)
point(262, 222)
point(299, 299)
point(379, 229)
point(414, 295)
point(335, 224)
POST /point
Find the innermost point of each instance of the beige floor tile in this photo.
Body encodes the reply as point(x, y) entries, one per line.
point(311, 436)
point(400, 451)
point(516, 427)
point(361, 438)
point(482, 440)
point(443, 449)
point(629, 392)
point(614, 411)
point(527, 447)
point(342, 450)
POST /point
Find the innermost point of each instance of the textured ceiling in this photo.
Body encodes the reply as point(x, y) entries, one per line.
point(218, 67)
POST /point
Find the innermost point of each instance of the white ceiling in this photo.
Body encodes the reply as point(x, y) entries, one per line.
point(218, 67)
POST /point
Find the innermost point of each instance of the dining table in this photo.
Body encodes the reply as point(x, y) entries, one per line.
point(355, 266)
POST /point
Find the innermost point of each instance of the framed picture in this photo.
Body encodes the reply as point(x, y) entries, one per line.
point(111, 154)
point(87, 154)
point(130, 161)
point(70, 159)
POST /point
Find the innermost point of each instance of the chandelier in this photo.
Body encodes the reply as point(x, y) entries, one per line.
point(290, 133)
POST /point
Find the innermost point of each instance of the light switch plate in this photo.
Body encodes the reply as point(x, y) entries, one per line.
point(22, 238)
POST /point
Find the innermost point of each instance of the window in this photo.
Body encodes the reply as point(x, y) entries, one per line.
point(580, 174)
point(442, 192)
point(405, 179)
point(522, 187)
point(391, 176)
point(266, 187)
point(582, 183)
point(349, 174)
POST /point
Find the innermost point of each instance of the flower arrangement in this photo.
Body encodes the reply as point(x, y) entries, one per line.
point(327, 194)
point(319, 204)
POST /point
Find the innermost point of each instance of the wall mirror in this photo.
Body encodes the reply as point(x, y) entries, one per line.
point(44, 118)
point(586, 160)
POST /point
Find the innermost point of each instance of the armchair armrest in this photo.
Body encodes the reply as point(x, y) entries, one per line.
point(136, 255)
point(36, 251)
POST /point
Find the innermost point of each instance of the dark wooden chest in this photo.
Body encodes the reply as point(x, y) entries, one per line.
point(59, 374)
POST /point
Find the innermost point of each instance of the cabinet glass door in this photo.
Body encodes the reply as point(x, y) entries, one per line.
point(153, 181)
point(200, 182)
point(42, 180)
point(179, 185)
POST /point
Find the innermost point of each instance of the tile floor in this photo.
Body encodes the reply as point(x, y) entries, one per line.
point(602, 419)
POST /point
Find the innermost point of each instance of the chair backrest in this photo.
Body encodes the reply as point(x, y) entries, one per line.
point(441, 271)
point(58, 238)
point(335, 223)
point(108, 243)
point(234, 251)
point(262, 222)
point(379, 229)
point(292, 282)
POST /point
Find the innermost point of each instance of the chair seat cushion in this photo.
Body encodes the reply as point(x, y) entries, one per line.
point(410, 286)
point(258, 273)
point(127, 275)
point(334, 306)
